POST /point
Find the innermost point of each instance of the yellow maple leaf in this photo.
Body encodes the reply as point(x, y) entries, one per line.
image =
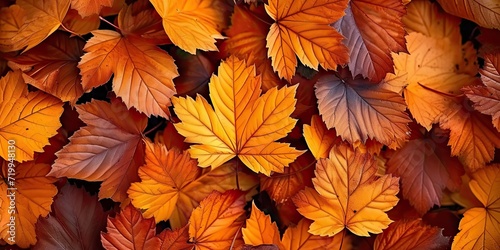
point(348, 195)
point(479, 228)
point(242, 123)
point(192, 24)
point(303, 28)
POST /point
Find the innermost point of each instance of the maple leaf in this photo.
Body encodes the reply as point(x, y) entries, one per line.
point(479, 228)
point(36, 114)
point(260, 231)
point(143, 73)
point(214, 224)
point(411, 234)
point(108, 149)
point(353, 106)
point(372, 29)
point(247, 40)
point(348, 195)
point(172, 185)
point(426, 169)
point(472, 136)
point(129, 230)
point(482, 12)
point(43, 17)
point(177, 239)
point(487, 98)
point(51, 66)
point(242, 123)
point(193, 24)
point(32, 198)
point(74, 226)
point(302, 28)
point(319, 139)
point(11, 20)
point(92, 7)
point(431, 69)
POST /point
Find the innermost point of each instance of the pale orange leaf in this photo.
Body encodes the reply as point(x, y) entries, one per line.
point(12, 19)
point(319, 139)
point(259, 229)
point(92, 7)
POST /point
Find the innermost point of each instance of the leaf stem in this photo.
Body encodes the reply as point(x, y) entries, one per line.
point(153, 128)
point(70, 31)
point(108, 22)
point(258, 18)
point(237, 175)
point(234, 238)
point(342, 240)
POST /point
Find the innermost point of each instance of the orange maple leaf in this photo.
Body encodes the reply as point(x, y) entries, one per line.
point(129, 230)
point(373, 28)
point(193, 24)
point(216, 222)
point(479, 228)
point(180, 186)
point(242, 123)
point(108, 149)
point(411, 234)
point(32, 198)
point(11, 20)
point(143, 73)
point(302, 28)
point(348, 195)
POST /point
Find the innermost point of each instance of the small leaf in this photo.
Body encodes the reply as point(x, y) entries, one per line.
point(259, 229)
point(320, 139)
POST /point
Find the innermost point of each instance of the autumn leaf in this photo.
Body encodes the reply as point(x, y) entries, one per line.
point(72, 227)
point(51, 66)
point(31, 199)
point(176, 240)
point(319, 139)
point(479, 228)
point(487, 98)
point(11, 20)
point(143, 73)
point(215, 223)
point(472, 136)
point(43, 17)
point(259, 229)
point(129, 230)
point(372, 29)
point(36, 114)
point(242, 123)
point(78, 25)
point(302, 29)
point(360, 110)
point(172, 185)
point(92, 7)
point(426, 169)
point(247, 40)
point(194, 73)
point(348, 195)
point(483, 12)
point(192, 25)
point(432, 74)
point(108, 149)
point(411, 234)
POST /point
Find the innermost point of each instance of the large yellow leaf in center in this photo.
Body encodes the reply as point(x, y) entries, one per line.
point(242, 123)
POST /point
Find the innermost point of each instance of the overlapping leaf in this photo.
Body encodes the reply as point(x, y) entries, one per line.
point(29, 119)
point(411, 234)
point(11, 20)
point(51, 66)
point(302, 30)
point(193, 24)
point(359, 110)
point(108, 149)
point(216, 222)
point(372, 29)
point(319, 139)
point(426, 169)
point(129, 230)
point(479, 228)
point(487, 98)
point(348, 195)
point(172, 184)
point(74, 226)
point(483, 12)
point(92, 7)
point(242, 123)
point(31, 198)
point(143, 73)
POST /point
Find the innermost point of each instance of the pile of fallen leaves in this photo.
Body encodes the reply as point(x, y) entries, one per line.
point(221, 124)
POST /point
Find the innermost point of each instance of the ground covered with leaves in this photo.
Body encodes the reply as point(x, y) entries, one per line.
point(278, 124)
